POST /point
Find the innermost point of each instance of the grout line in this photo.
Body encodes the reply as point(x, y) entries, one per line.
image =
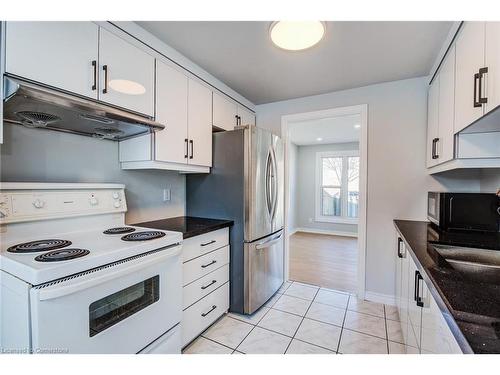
point(343, 322)
point(319, 346)
point(217, 342)
point(386, 332)
point(298, 327)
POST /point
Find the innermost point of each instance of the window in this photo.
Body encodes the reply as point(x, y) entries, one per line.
point(337, 186)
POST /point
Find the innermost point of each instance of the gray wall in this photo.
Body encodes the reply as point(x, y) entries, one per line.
point(49, 156)
point(306, 190)
point(490, 180)
point(397, 177)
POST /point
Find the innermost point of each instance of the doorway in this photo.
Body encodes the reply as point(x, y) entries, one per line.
point(325, 197)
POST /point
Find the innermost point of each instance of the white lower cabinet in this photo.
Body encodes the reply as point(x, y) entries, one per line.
point(422, 323)
point(206, 282)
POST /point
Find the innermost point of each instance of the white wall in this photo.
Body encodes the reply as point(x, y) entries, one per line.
point(293, 206)
point(397, 177)
point(48, 156)
point(306, 189)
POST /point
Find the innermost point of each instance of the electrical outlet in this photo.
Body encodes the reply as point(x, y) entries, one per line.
point(166, 195)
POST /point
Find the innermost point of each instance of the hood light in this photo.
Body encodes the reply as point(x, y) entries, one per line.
point(296, 35)
point(127, 87)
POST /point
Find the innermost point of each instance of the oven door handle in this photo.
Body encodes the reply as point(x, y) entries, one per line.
point(92, 279)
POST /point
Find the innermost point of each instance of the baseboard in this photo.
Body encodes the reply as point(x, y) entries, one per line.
point(323, 231)
point(386, 299)
point(292, 231)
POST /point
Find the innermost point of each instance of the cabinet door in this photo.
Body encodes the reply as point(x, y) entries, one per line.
point(446, 108)
point(199, 124)
point(224, 112)
point(436, 335)
point(403, 315)
point(492, 62)
point(246, 117)
point(469, 59)
point(171, 110)
point(58, 54)
point(414, 311)
point(399, 266)
point(433, 123)
point(127, 74)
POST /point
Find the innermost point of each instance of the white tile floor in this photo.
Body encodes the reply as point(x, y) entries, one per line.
point(306, 319)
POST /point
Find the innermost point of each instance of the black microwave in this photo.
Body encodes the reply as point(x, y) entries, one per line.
point(464, 211)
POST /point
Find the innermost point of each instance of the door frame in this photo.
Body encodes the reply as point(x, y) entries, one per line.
point(286, 121)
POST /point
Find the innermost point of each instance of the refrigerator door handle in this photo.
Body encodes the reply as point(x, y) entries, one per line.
point(269, 243)
point(274, 178)
point(268, 187)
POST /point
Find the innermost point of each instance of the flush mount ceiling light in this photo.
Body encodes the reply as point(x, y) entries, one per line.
point(296, 35)
point(357, 126)
point(319, 139)
point(127, 87)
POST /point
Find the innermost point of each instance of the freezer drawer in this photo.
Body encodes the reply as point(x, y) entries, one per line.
point(264, 262)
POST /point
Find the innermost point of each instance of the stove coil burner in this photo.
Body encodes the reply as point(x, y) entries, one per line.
point(143, 236)
point(60, 255)
point(119, 230)
point(37, 246)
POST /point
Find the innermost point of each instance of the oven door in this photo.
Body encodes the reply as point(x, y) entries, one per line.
point(119, 308)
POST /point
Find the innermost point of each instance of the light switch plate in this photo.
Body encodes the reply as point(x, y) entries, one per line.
point(166, 195)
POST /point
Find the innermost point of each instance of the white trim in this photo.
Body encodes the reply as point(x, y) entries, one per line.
point(324, 231)
point(386, 299)
point(362, 109)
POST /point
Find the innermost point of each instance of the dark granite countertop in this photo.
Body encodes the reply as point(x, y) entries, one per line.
point(470, 307)
point(189, 226)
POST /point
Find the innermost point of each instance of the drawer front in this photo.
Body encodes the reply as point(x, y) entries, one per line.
point(203, 313)
point(201, 266)
point(195, 246)
point(207, 284)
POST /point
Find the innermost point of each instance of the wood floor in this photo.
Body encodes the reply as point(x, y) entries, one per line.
point(324, 260)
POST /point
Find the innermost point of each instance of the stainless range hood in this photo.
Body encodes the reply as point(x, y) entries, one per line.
point(38, 106)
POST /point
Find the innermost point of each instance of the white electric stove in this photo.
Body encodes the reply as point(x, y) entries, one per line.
point(75, 279)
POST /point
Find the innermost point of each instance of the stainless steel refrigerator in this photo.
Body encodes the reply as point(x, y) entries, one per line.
point(246, 185)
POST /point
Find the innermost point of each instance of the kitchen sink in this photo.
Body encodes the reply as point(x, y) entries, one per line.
point(477, 264)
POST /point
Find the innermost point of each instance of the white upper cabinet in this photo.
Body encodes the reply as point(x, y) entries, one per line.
point(127, 74)
point(492, 63)
point(225, 112)
point(172, 111)
point(446, 108)
point(245, 117)
point(433, 123)
point(470, 49)
point(199, 124)
point(58, 54)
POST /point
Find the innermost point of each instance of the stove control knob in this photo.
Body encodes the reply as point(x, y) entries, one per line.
point(38, 203)
point(116, 195)
point(117, 204)
point(93, 201)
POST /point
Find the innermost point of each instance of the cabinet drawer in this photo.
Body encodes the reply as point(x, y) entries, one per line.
point(203, 313)
point(195, 246)
point(207, 284)
point(205, 264)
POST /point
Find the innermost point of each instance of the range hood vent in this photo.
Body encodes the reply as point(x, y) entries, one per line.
point(38, 106)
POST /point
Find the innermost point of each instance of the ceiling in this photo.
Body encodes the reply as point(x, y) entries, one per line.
point(351, 54)
point(340, 129)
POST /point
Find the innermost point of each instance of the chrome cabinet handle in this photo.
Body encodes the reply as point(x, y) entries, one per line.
point(400, 241)
point(208, 243)
point(209, 285)
point(94, 66)
point(105, 69)
point(208, 264)
point(209, 311)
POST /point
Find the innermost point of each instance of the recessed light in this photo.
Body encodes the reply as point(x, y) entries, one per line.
point(296, 35)
point(357, 126)
point(319, 139)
